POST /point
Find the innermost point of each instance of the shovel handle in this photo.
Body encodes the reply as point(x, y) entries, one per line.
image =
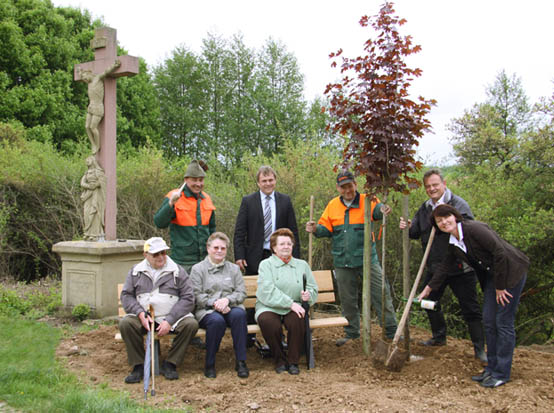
point(400, 327)
point(152, 359)
point(310, 235)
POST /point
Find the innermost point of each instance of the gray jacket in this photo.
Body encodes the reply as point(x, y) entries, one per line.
point(211, 283)
point(171, 296)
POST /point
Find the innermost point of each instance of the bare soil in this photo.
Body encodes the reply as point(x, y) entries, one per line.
point(344, 379)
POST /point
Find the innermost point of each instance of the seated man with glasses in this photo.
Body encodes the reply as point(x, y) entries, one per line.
point(158, 281)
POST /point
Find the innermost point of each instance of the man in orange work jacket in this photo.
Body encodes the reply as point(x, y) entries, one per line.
point(343, 221)
point(190, 215)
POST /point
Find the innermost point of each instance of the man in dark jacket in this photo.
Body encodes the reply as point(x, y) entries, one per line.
point(260, 214)
point(461, 278)
point(251, 243)
point(158, 281)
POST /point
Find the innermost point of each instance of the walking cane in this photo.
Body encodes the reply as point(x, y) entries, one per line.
point(153, 356)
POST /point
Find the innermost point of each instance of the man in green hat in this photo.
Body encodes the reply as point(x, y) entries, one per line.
point(190, 215)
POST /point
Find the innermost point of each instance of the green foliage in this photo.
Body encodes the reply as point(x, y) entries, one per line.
point(40, 46)
point(231, 100)
point(11, 304)
point(80, 312)
point(490, 131)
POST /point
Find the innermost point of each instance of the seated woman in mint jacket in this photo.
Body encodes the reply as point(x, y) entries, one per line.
point(502, 269)
point(279, 296)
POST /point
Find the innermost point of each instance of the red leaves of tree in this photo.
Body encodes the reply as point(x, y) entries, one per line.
point(374, 109)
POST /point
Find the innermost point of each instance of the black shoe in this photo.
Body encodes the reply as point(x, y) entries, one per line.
point(250, 340)
point(210, 373)
point(293, 369)
point(169, 371)
point(197, 342)
point(342, 341)
point(491, 382)
point(281, 368)
point(136, 375)
point(433, 342)
point(480, 377)
point(242, 369)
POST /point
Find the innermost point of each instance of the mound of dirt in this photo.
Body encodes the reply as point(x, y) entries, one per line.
point(344, 380)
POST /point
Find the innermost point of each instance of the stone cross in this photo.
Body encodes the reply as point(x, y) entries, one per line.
point(105, 54)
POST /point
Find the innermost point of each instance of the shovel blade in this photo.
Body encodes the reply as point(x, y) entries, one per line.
point(396, 359)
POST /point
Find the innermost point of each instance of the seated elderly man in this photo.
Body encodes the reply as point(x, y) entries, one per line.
point(158, 281)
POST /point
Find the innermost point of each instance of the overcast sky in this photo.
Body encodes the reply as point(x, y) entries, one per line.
point(465, 44)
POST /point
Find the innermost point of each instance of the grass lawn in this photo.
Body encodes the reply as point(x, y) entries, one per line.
point(32, 380)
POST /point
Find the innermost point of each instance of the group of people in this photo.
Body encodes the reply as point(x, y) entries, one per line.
point(196, 286)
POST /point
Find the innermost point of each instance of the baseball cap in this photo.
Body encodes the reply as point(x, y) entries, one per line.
point(154, 245)
point(344, 177)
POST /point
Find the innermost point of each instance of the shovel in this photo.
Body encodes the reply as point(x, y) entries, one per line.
point(391, 356)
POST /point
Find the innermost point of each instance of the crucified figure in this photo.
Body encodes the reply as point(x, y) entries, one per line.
point(95, 111)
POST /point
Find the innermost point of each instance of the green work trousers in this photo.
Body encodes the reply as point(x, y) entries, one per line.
point(133, 333)
point(348, 280)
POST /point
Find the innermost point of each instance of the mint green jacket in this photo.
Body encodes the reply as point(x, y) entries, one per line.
point(280, 284)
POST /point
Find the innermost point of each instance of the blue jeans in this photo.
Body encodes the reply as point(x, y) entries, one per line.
point(347, 282)
point(498, 321)
point(215, 324)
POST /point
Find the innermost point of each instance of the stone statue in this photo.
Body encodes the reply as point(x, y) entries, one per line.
point(95, 111)
point(93, 196)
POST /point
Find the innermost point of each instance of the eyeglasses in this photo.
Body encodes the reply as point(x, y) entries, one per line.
point(219, 248)
point(157, 254)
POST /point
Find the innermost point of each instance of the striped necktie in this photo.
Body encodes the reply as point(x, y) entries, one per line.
point(267, 218)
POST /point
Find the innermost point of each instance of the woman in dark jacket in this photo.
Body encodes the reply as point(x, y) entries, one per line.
point(503, 271)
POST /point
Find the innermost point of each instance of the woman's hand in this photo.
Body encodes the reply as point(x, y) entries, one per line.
point(425, 293)
point(502, 297)
point(221, 304)
point(305, 295)
point(297, 308)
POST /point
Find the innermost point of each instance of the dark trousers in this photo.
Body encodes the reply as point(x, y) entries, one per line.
point(499, 329)
point(271, 325)
point(464, 288)
point(215, 324)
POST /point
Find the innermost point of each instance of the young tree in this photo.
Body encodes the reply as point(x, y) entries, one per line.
point(379, 121)
point(373, 109)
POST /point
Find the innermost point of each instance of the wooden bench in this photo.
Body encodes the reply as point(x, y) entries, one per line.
point(326, 294)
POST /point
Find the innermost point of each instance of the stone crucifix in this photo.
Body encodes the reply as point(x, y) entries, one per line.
point(101, 74)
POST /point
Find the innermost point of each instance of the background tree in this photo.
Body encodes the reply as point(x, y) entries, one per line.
point(181, 88)
point(40, 46)
point(489, 132)
point(279, 91)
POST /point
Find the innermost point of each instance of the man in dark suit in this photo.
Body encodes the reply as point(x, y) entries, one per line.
point(250, 242)
point(261, 213)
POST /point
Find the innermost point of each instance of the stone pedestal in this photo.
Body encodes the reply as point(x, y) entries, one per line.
point(92, 270)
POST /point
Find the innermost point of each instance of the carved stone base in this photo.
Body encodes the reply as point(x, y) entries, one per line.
point(92, 270)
